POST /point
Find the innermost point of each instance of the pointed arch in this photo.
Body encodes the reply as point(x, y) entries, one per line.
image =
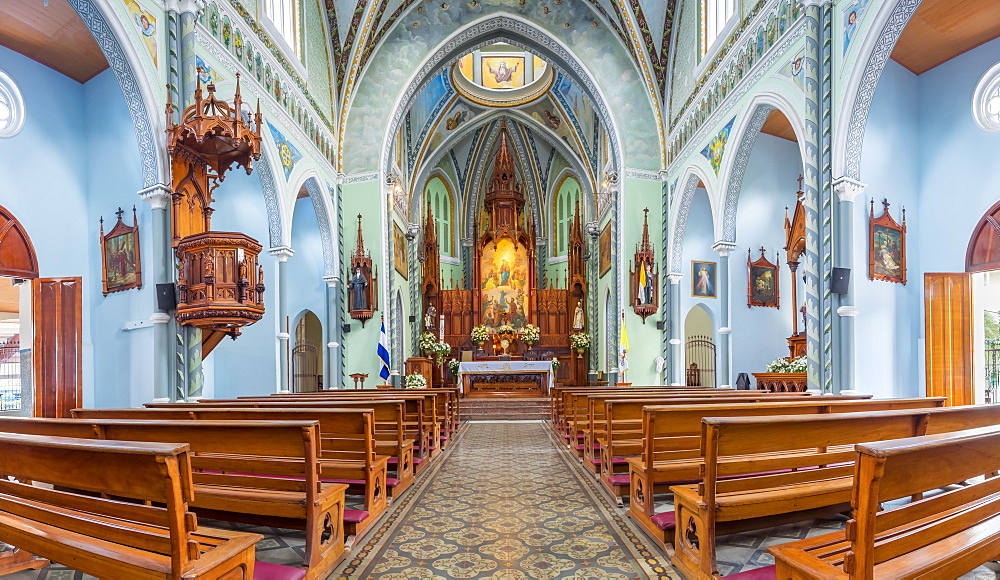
point(417, 211)
point(693, 175)
point(750, 125)
point(324, 219)
point(17, 254)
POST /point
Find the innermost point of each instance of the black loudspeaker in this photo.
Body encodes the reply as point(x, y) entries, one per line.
point(742, 382)
point(840, 279)
point(347, 328)
point(166, 297)
point(661, 324)
point(413, 318)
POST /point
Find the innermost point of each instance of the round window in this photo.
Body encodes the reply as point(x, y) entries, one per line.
point(986, 101)
point(11, 107)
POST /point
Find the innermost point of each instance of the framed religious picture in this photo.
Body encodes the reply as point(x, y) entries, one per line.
point(886, 246)
point(762, 285)
point(121, 268)
point(702, 279)
point(604, 251)
point(399, 251)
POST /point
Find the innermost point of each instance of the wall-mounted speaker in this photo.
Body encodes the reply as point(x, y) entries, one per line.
point(166, 297)
point(661, 324)
point(347, 328)
point(840, 280)
point(412, 319)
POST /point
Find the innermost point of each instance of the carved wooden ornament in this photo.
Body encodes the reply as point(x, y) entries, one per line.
point(362, 281)
point(644, 275)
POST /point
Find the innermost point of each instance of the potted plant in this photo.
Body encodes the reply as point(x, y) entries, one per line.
point(479, 335)
point(579, 342)
point(441, 349)
point(428, 344)
point(453, 365)
point(530, 335)
point(415, 381)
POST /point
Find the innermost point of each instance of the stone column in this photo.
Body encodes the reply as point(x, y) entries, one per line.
point(722, 376)
point(332, 376)
point(847, 190)
point(282, 253)
point(676, 355)
point(158, 197)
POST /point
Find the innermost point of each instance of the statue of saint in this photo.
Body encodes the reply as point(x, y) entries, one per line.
point(578, 316)
point(357, 286)
point(430, 318)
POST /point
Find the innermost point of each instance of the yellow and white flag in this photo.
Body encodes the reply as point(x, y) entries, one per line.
point(623, 349)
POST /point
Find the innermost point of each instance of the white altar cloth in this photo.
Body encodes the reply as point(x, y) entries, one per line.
point(499, 367)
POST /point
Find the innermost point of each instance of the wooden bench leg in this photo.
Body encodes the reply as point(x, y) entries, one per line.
point(17, 560)
point(325, 537)
point(694, 542)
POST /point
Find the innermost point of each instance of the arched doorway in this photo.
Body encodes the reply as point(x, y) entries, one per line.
point(699, 348)
point(307, 356)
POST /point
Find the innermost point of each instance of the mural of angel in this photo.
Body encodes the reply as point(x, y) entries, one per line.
point(503, 74)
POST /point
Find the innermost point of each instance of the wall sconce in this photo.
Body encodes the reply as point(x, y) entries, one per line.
point(605, 193)
point(396, 193)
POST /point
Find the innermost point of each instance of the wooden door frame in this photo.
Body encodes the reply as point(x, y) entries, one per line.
point(70, 384)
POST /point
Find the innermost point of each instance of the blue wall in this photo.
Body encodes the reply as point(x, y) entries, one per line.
point(769, 185)
point(698, 240)
point(74, 161)
point(307, 290)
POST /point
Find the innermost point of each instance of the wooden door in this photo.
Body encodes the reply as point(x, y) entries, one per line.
point(57, 313)
point(948, 337)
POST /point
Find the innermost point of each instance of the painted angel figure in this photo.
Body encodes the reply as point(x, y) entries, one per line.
point(502, 74)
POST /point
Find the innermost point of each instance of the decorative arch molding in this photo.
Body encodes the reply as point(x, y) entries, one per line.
point(750, 126)
point(890, 21)
point(692, 176)
point(983, 253)
point(139, 97)
point(324, 219)
point(265, 172)
point(19, 258)
point(417, 209)
point(550, 202)
point(513, 30)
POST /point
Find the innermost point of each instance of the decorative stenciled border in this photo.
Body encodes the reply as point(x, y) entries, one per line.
point(729, 68)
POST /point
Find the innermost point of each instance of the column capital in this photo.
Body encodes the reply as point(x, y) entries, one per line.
point(466, 242)
point(332, 281)
point(664, 175)
point(540, 241)
point(182, 6)
point(282, 253)
point(674, 277)
point(157, 196)
point(847, 189)
point(160, 318)
point(340, 178)
point(723, 248)
point(847, 311)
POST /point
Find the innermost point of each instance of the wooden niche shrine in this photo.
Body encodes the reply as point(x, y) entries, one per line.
point(644, 275)
point(362, 280)
point(220, 285)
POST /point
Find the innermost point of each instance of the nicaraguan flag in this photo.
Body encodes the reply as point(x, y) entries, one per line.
point(383, 353)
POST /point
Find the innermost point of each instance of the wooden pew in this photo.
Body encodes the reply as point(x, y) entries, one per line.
point(415, 427)
point(347, 454)
point(940, 536)
point(105, 537)
point(615, 429)
point(267, 469)
point(758, 469)
point(671, 452)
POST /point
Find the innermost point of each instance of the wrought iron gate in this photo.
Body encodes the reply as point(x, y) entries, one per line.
point(699, 362)
point(992, 370)
point(10, 374)
point(305, 367)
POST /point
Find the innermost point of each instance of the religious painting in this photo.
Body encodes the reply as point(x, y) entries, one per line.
point(503, 72)
point(762, 285)
point(399, 251)
point(852, 18)
point(886, 246)
point(120, 265)
point(702, 279)
point(287, 153)
point(145, 23)
point(504, 284)
point(604, 251)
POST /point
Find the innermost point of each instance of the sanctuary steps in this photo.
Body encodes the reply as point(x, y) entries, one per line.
point(505, 409)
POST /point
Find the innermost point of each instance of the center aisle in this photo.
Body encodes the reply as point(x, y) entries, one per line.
point(505, 502)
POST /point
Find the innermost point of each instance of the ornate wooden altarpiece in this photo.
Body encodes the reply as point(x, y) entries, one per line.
point(220, 286)
point(504, 288)
point(795, 246)
point(645, 275)
point(362, 283)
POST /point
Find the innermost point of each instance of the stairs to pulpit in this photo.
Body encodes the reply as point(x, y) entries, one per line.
point(505, 409)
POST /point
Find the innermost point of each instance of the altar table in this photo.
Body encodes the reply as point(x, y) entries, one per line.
point(512, 367)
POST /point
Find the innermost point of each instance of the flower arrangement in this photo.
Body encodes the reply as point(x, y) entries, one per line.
point(440, 349)
point(786, 365)
point(415, 381)
point(427, 342)
point(453, 366)
point(530, 334)
point(480, 334)
point(506, 329)
point(579, 341)
point(556, 363)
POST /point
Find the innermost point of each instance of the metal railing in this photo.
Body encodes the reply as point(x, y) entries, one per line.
point(992, 370)
point(10, 375)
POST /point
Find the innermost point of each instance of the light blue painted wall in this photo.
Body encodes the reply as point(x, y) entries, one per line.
point(306, 288)
point(888, 328)
point(769, 185)
point(698, 240)
point(74, 161)
point(248, 365)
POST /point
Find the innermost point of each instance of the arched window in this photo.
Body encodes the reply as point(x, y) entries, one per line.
point(986, 101)
point(715, 14)
point(11, 107)
point(564, 207)
point(437, 193)
point(285, 16)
